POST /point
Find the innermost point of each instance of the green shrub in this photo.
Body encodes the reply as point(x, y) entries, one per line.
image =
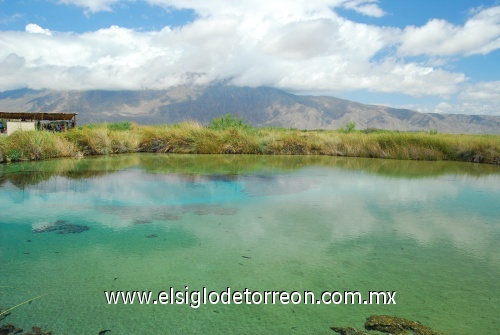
point(349, 127)
point(120, 126)
point(228, 122)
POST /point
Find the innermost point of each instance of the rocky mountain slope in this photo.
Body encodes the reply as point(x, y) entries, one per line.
point(261, 106)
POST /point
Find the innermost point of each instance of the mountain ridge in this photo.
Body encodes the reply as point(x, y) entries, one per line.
point(259, 106)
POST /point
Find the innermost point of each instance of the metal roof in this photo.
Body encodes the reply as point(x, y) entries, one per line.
point(37, 116)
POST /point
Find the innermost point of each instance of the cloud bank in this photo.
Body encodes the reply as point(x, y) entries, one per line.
point(299, 46)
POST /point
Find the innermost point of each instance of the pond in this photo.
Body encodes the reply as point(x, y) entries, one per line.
point(72, 229)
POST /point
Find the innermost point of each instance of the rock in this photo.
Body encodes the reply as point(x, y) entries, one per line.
point(12, 330)
point(226, 211)
point(348, 331)
point(7, 329)
point(50, 227)
point(142, 221)
point(72, 229)
point(397, 326)
point(169, 217)
point(62, 227)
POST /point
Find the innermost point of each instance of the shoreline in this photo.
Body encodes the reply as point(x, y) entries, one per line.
point(238, 138)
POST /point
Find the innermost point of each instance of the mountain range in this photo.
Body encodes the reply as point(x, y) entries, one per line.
point(260, 106)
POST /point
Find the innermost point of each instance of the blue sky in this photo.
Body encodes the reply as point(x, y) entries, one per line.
point(60, 17)
point(432, 56)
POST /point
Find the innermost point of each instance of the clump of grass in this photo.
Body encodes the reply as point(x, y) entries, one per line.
point(289, 143)
point(239, 141)
point(124, 141)
point(423, 146)
point(91, 140)
point(36, 145)
point(3, 145)
point(103, 139)
point(178, 138)
point(192, 138)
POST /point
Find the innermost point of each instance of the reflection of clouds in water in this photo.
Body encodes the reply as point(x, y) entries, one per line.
point(424, 210)
point(391, 189)
point(133, 187)
point(139, 215)
point(317, 204)
point(48, 200)
point(350, 219)
point(470, 233)
point(346, 207)
point(278, 184)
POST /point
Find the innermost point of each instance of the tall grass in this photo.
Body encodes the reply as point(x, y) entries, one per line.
point(105, 139)
point(227, 135)
point(35, 145)
point(192, 138)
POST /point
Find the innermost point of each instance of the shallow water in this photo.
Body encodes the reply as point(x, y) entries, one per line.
point(428, 230)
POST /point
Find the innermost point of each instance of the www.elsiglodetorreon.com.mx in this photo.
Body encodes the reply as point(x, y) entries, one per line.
point(196, 298)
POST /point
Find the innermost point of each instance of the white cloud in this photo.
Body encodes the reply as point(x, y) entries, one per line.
point(323, 54)
point(300, 45)
point(479, 35)
point(481, 98)
point(476, 99)
point(484, 91)
point(280, 8)
point(36, 29)
point(365, 7)
point(443, 107)
point(467, 107)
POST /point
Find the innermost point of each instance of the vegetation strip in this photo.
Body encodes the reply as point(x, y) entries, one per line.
point(228, 135)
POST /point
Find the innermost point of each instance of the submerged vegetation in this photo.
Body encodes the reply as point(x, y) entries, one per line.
point(388, 324)
point(229, 135)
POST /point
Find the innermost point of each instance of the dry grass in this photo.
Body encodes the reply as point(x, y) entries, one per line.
point(192, 138)
point(35, 145)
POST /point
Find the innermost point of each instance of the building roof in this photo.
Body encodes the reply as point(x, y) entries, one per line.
point(37, 116)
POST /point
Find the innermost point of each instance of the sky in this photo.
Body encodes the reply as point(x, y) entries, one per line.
point(427, 55)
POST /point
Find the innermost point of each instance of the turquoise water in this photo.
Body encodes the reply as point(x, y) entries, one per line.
point(428, 230)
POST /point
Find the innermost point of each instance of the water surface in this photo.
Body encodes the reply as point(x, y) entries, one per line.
point(428, 230)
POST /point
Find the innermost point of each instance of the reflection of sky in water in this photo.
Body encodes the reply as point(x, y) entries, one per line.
point(315, 227)
point(462, 209)
point(132, 187)
point(60, 197)
point(349, 206)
